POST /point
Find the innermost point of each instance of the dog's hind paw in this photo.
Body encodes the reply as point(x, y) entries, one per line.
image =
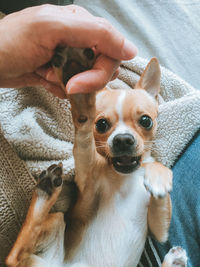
point(51, 179)
point(176, 257)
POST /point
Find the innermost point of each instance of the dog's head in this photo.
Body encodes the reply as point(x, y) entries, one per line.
point(125, 121)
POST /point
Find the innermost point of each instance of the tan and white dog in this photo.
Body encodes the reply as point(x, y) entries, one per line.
point(123, 193)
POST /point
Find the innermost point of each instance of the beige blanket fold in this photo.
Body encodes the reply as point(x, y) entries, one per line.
point(39, 128)
point(16, 184)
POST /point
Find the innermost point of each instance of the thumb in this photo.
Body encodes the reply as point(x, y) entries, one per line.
point(94, 79)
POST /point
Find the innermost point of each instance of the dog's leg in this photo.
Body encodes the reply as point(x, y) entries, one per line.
point(86, 158)
point(176, 257)
point(66, 63)
point(158, 181)
point(39, 223)
point(85, 154)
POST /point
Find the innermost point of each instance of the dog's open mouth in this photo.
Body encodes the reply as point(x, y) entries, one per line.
point(126, 164)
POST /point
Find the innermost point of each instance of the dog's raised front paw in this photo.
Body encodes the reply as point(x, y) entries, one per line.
point(72, 61)
point(158, 179)
point(176, 257)
point(50, 179)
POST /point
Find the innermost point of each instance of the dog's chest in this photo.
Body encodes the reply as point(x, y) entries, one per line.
point(117, 234)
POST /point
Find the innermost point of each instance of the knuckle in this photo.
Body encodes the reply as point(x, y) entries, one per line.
point(45, 7)
point(78, 10)
point(41, 12)
point(104, 26)
point(75, 8)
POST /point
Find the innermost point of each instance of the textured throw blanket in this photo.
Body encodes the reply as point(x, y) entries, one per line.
point(39, 128)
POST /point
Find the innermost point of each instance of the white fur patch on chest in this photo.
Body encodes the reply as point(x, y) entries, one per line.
point(117, 234)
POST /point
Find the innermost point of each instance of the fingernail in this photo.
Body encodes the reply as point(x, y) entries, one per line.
point(48, 76)
point(51, 76)
point(129, 50)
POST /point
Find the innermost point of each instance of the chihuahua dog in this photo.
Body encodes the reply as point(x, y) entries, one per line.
point(123, 193)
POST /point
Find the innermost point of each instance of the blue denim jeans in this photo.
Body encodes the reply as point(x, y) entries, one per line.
point(185, 225)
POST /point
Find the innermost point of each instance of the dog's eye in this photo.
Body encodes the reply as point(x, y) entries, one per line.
point(102, 125)
point(146, 122)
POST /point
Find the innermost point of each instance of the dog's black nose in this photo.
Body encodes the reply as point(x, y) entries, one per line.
point(123, 143)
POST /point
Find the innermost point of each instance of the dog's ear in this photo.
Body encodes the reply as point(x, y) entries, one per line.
point(150, 79)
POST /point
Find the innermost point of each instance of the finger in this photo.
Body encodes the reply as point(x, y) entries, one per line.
point(99, 33)
point(32, 79)
point(78, 29)
point(29, 79)
point(94, 79)
point(78, 10)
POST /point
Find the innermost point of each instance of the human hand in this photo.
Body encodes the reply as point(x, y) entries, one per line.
point(29, 38)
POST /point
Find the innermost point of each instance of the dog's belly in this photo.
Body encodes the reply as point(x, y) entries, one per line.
point(116, 236)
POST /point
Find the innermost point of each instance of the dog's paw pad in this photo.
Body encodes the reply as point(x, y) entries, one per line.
point(50, 179)
point(176, 257)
